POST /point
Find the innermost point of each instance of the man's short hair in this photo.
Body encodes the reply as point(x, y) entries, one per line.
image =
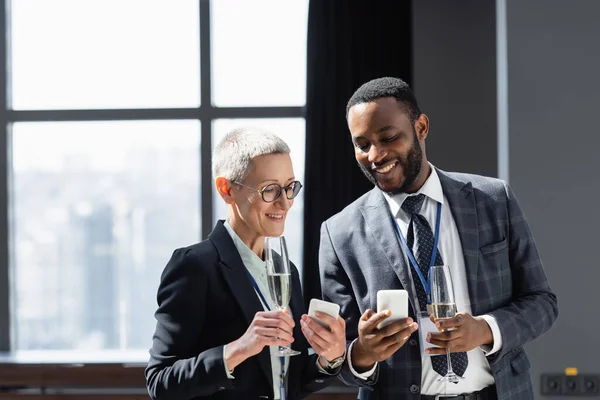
point(386, 87)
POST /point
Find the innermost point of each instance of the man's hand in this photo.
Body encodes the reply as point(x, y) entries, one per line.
point(373, 344)
point(461, 333)
point(328, 343)
point(268, 328)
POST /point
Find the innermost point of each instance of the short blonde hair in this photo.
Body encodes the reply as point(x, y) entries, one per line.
point(232, 157)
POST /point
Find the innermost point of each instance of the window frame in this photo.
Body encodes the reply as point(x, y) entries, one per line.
point(206, 114)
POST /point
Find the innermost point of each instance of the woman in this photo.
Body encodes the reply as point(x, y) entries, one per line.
point(214, 332)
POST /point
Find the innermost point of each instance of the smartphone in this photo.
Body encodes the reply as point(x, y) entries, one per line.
point(394, 300)
point(325, 307)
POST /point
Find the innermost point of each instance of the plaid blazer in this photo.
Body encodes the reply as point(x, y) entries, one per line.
point(360, 254)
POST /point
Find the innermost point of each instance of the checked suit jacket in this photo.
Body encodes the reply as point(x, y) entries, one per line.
point(360, 254)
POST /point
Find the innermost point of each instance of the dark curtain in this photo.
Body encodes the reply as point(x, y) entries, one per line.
point(349, 43)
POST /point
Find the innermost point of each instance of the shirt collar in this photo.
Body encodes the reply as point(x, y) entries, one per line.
point(253, 263)
point(432, 188)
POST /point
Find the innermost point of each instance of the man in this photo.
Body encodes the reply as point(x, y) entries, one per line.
point(382, 239)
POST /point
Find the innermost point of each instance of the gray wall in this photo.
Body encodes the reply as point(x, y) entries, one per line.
point(554, 104)
point(454, 79)
point(553, 55)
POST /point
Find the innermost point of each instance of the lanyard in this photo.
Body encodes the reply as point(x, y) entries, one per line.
point(282, 359)
point(424, 282)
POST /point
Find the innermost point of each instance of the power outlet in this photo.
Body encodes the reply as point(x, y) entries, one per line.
point(571, 385)
point(552, 385)
point(590, 385)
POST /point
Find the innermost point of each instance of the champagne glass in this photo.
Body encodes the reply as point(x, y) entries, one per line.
point(444, 306)
point(279, 278)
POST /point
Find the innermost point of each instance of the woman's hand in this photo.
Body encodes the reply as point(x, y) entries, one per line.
point(268, 328)
point(328, 343)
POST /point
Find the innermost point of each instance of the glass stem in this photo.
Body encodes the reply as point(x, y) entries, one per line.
point(450, 372)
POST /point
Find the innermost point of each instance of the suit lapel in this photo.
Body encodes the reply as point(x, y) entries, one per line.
point(461, 201)
point(236, 276)
point(297, 308)
point(381, 225)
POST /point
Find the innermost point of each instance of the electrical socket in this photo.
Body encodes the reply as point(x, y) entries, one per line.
point(590, 384)
point(552, 385)
point(571, 384)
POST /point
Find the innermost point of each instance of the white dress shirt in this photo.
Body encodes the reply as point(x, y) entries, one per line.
point(478, 374)
point(257, 268)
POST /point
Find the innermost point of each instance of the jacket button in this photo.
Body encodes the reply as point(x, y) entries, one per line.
point(412, 342)
point(414, 389)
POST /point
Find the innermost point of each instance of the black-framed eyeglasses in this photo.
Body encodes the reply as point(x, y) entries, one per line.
point(272, 191)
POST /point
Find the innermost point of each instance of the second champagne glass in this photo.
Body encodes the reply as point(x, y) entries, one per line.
point(279, 278)
point(444, 306)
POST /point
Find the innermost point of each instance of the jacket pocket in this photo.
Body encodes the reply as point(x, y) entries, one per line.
point(493, 248)
point(520, 363)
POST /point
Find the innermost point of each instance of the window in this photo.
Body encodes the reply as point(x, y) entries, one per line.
point(259, 57)
point(109, 129)
point(73, 54)
point(97, 209)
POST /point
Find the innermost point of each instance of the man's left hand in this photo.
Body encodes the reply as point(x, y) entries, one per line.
point(461, 333)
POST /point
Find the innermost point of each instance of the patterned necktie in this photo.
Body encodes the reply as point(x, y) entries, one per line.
point(422, 249)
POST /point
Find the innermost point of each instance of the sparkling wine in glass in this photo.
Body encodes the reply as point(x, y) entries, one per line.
point(279, 278)
point(444, 306)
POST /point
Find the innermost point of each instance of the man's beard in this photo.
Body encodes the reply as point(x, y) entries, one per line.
point(411, 167)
